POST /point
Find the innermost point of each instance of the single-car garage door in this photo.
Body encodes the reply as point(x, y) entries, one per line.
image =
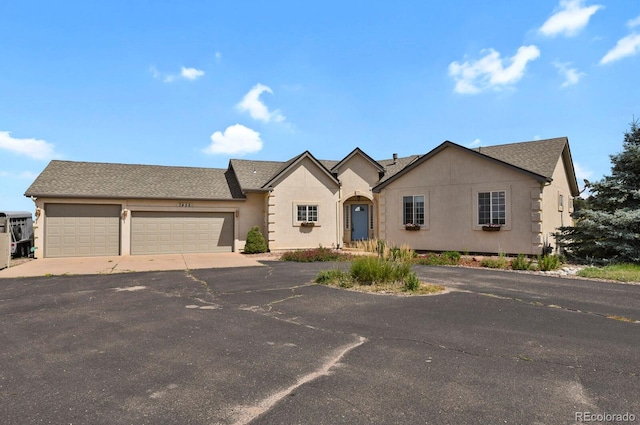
point(154, 232)
point(80, 230)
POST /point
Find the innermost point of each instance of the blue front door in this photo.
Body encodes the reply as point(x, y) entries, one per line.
point(359, 222)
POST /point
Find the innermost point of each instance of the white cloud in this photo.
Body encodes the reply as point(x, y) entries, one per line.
point(627, 46)
point(28, 175)
point(581, 173)
point(474, 144)
point(33, 148)
point(569, 19)
point(632, 23)
point(571, 75)
point(191, 73)
point(218, 57)
point(185, 73)
point(236, 139)
point(251, 103)
point(490, 71)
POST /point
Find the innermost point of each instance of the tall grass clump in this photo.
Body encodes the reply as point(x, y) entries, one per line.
point(374, 270)
point(548, 262)
point(521, 262)
point(501, 262)
point(404, 254)
point(338, 277)
point(380, 247)
point(412, 283)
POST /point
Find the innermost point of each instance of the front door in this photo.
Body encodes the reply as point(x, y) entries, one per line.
point(359, 222)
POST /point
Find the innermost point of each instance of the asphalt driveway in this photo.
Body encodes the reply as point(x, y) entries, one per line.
point(265, 345)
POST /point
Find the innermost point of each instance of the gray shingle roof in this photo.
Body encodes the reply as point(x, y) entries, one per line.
point(103, 180)
point(252, 175)
point(393, 166)
point(539, 156)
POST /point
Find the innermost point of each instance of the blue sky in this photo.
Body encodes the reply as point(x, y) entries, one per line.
point(195, 83)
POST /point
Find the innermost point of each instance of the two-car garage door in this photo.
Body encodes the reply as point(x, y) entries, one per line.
point(73, 230)
point(154, 232)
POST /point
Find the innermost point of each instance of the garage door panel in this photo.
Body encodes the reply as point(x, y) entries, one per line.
point(73, 230)
point(171, 232)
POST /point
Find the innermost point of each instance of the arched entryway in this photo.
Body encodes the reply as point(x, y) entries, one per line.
point(358, 219)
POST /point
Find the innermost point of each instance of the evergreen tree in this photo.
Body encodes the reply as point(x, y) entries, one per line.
point(255, 242)
point(607, 228)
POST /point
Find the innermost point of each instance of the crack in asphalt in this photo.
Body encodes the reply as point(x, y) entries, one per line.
point(573, 310)
point(246, 414)
point(272, 303)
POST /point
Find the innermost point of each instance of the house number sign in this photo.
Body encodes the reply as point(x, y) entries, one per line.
point(185, 204)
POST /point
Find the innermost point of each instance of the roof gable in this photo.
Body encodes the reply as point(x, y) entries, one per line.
point(357, 151)
point(447, 144)
point(293, 162)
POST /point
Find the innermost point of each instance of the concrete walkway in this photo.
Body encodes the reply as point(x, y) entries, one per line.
point(129, 263)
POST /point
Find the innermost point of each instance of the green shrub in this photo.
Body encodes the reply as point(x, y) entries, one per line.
point(411, 283)
point(255, 242)
point(374, 270)
point(334, 277)
point(313, 255)
point(548, 262)
point(521, 262)
point(452, 256)
point(449, 258)
point(495, 263)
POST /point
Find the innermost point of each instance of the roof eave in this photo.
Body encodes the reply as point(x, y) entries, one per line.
point(152, 198)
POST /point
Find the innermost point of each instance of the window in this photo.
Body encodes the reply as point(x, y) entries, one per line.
point(413, 209)
point(492, 208)
point(560, 202)
point(347, 209)
point(371, 217)
point(308, 213)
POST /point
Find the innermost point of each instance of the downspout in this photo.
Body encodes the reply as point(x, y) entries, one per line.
point(339, 224)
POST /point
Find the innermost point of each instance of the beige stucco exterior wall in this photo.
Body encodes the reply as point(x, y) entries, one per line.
point(304, 184)
point(450, 181)
point(554, 215)
point(357, 176)
point(247, 213)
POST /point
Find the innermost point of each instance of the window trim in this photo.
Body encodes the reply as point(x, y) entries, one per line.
point(477, 190)
point(307, 204)
point(413, 194)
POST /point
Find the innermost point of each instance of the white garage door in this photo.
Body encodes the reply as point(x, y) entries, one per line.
point(78, 230)
point(174, 233)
